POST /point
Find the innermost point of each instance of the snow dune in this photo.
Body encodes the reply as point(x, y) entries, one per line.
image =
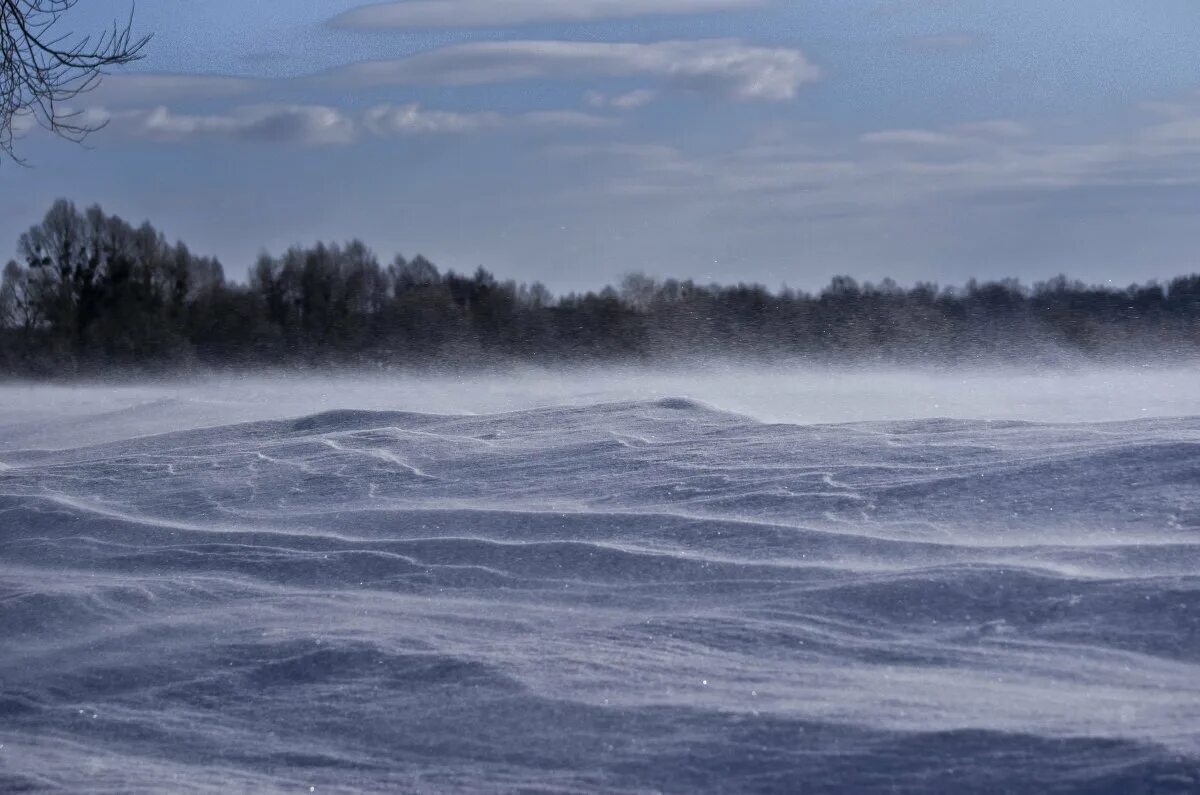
point(204, 591)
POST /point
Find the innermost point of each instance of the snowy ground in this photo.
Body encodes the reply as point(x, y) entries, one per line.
point(604, 581)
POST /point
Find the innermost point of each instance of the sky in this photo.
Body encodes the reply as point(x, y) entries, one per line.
point(573, 141)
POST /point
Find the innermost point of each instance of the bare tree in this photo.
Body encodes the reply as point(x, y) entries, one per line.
point(43, 67)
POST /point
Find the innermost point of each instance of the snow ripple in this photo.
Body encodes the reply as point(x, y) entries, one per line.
point(644, 596)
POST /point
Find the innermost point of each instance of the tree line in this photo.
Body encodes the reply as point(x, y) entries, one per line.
point(90, 293)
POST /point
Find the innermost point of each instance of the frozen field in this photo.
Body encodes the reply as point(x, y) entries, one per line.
point(624, 581)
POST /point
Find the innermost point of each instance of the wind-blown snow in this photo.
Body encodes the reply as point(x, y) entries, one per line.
point(616, 595)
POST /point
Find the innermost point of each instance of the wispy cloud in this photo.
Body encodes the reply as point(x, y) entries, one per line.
point(321, 125)
point(628, 101)
point(964, 134)
point(725, 68)
point(412, 119)
point(910, 138)
point(306, 125)
point(907, 167)
point(721, 67)
point(414, 14)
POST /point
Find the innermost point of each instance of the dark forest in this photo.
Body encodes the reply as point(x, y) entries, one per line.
point(90, 293)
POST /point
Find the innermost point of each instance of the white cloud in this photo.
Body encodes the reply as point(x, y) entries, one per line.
point(310, 125)
point(628, 101)
point(412, 119)
point(965, 134)
point(564, 119)
point(1181, 133)
point(722, 67)
point(910, 138)
point(892, 169)
point(1172, 110)
point(22, 123)
point(319, 125)
point(488, 13)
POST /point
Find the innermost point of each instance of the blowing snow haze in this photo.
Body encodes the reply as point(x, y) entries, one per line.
point(615, 396)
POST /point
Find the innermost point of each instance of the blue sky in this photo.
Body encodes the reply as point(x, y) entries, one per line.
point(571, 141)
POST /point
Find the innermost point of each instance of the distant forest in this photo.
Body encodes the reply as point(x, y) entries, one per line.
point(91, 294)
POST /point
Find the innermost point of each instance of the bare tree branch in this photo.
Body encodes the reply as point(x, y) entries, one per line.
point(43, 68)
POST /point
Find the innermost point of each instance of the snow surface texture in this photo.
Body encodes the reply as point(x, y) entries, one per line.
point(634, 595)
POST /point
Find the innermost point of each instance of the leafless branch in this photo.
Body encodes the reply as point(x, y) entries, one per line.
point(42, 68)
